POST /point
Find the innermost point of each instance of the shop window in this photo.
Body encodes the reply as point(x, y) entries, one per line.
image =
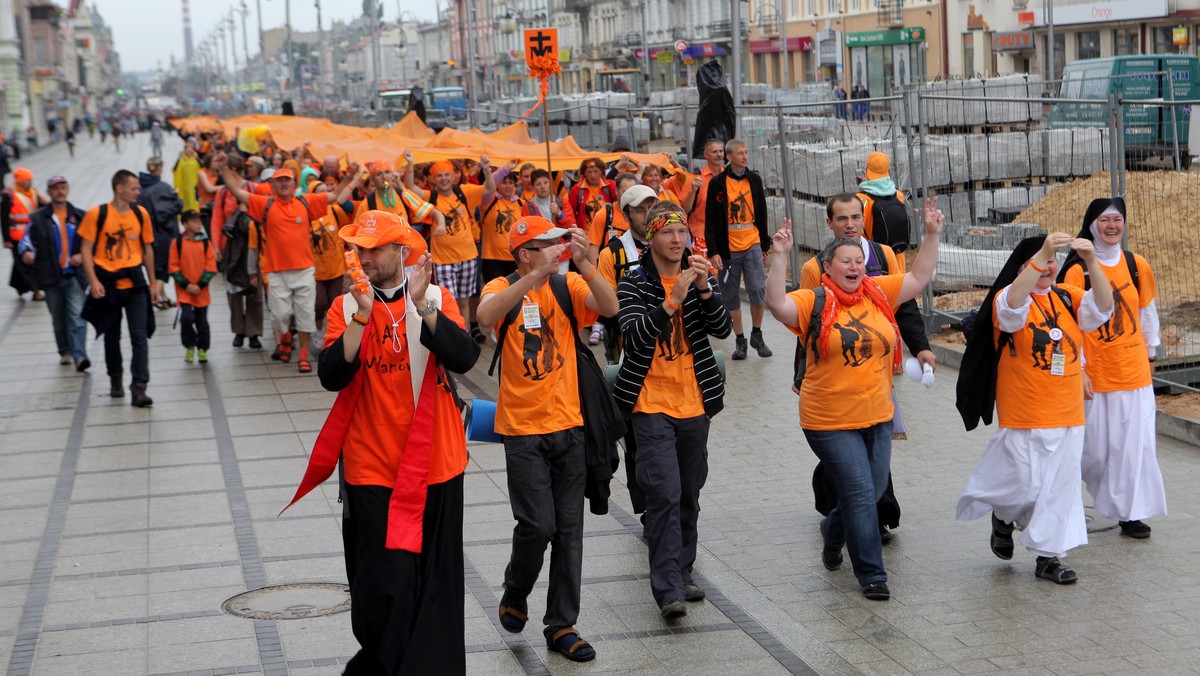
point(1087, 45)
point(1125, 42)
point(1163, 38)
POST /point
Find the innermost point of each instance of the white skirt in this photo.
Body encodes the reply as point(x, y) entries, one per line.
point(1031, 477)
point(1120, 466)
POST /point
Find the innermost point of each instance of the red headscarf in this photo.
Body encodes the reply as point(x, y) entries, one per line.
point(836, 299)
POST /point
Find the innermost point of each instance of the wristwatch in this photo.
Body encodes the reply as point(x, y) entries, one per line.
point(430, 308)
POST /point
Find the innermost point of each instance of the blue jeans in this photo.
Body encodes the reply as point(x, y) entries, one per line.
point(858, 461)
point(65, 303)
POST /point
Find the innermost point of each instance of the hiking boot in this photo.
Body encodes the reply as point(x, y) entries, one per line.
point(189, 355)
point(140, 399)
point(756, 342)
point(673, 610)
point(692, 592)
point(739, 348)
point(116, 388)
point(877, 591)
point(202, 355)
point(239, 340)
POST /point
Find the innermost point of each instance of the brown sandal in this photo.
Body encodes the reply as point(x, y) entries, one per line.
point(569, 644)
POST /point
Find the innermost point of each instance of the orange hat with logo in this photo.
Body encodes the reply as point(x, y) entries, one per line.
point(878, 166)
point(375, 228)
point(380, 165)
point(283, 172)
point(22, 174)
point(441, 166)
point(530, 228)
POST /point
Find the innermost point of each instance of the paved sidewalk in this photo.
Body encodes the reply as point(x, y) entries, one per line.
point(124, 530)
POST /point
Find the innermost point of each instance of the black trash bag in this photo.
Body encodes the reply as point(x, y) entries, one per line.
point(717, 117)
point(416, 102)
point(288, 108)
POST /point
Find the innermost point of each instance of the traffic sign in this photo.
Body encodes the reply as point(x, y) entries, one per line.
point(681, 46)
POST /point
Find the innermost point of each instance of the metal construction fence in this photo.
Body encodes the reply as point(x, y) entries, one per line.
point(1006, 158)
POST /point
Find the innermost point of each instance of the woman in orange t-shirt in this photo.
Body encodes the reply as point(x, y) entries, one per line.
point(1026, 347)
point(846, 399)
point(1120, 461)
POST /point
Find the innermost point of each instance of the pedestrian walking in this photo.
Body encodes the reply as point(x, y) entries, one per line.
point(854, 346)
point(156, 139)
point(51, 249)
point(735, 231)
point(536, 314)
point(17, 205)
point(193, 264)
point(670, 387)
point(237, 239)
point(1025, 354)
point(118, 259)
point(1120, 463)
point(164, 206)
point(885, 215)
point(395, 425)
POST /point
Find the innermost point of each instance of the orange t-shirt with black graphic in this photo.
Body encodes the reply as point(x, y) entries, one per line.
point(599, 228)
point(670, 386)
point(327, 246)
point(193, 258)
point(119, 243)
point(539, 386)
point(593, 198)
point(462, 232)
point(1116, 352)
point(288, 230)
point(381, 422)
point(1027, 395)
point(498, 220)
point(851, 388)
point(739, 210)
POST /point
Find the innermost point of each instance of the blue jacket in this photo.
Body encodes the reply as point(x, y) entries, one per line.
point(44, 239)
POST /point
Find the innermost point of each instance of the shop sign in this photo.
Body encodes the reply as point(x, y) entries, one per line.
point(1104, 12)
point(1012, 42)
point(665, 56)
point(1179, 37)
point(894, 36)
point(797, 44)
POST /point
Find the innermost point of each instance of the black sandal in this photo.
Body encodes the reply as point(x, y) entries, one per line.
point(1001, 541)
point(1050, 568)
point(569, 644)
point(513, 613)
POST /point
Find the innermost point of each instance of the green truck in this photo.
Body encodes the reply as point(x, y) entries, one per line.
point(1150, 131)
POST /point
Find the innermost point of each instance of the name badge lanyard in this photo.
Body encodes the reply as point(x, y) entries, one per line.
point(1058, 362)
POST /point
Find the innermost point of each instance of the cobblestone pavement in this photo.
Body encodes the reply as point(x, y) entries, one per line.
point(124, 530)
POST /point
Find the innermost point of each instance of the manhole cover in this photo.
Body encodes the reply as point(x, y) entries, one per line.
point(290, 601)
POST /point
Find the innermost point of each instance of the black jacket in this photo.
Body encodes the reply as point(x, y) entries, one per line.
point(716, 223)
point(643, 320)
point(46, 268)
point(163, 203)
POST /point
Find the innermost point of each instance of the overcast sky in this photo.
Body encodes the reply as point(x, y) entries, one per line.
point(149, 32)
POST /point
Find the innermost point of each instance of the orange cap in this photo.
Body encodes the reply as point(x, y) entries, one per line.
point(22, 174)
point(283, 172)
point(530, 228)
point(878, 166)
point(380, 165)
point(375, 228)
point(441, 166)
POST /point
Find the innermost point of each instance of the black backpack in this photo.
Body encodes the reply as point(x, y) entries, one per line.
point(1073, 260)
point(890, 222)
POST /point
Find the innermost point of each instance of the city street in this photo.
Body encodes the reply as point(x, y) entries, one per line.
point(125, 530)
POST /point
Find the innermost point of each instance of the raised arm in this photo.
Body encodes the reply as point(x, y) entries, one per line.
point(782, 308)
point(344, 188)
point(1023, 285)
point(923, 267)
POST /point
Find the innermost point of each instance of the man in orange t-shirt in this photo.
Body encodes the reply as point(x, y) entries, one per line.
point(735, 231)
point(287, 249)
point(538, 412)
point(118, 259)
point(670, 387)
point(389, 354)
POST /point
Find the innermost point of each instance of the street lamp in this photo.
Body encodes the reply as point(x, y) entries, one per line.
point(401, 53)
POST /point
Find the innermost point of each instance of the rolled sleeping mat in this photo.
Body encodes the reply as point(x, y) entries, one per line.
point(481, 421)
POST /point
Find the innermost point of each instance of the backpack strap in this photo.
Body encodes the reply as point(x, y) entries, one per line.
point(880, 257)
point(371, 201)
point(508, 320)
point(562, 295)
point(1131, 264)
point(1065, 297)
point(608, 216)
point(814, 320)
